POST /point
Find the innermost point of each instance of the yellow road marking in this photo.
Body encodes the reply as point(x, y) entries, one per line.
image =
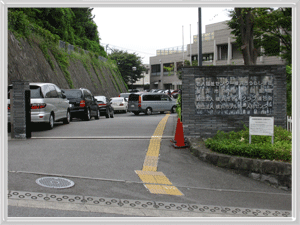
point(153, 177)
point(156, 182)
point(163, 189)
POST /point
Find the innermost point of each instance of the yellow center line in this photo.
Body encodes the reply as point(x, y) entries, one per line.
point(156, 182)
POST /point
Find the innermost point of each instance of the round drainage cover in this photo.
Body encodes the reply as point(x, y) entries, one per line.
point(54, 182)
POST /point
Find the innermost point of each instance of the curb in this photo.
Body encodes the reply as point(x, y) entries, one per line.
point(274, 173)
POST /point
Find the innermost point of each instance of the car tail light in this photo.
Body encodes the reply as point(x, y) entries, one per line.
point(82, 103)
point(8, 106)
point(121, 104)
point(119, 95)
point(101, 104)
point(38, 105)
point(140, 101)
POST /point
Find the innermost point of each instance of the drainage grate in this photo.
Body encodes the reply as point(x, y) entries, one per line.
point(146, 204)
point(54, 182)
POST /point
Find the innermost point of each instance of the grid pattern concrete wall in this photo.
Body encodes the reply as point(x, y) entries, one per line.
point(207, 125)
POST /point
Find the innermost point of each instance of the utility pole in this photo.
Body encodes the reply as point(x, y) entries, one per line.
point(199, 38)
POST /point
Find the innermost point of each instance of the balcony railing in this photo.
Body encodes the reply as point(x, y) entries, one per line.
point(172, 50)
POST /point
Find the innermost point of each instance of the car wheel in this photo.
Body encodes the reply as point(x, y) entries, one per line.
point(112, 114)
point(88, 115)
point(51, 122)
point(136, 113)
point(68, 118)
point(173, 110)
point(98, 115)
point(106, 114)
point(148, 111)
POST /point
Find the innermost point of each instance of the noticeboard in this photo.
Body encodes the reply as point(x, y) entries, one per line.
point(261, 126)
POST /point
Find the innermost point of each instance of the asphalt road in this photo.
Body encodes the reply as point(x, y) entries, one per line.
point(101, 157)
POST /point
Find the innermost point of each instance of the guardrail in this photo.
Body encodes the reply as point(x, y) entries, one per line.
point(289, 123)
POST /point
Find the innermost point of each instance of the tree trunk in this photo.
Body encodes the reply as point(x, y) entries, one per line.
point(245, 18)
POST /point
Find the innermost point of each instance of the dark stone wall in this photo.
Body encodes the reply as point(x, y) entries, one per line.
point(201, 121)
point(26, 61)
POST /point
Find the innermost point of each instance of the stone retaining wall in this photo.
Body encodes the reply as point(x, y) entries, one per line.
point(275, 173)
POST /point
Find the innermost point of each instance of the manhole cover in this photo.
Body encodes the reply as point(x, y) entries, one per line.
point(54, 182)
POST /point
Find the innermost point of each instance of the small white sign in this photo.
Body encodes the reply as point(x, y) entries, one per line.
point(261, 126)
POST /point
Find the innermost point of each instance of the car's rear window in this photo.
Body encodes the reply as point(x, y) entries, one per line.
point(35, 92)
point(73, 93)
point(133, 97)
point(100, 98)
point(125, 95)
point(117, 100)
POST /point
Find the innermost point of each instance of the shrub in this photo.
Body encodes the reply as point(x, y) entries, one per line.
point(237, 143)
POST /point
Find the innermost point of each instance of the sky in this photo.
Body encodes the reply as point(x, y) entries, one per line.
point(145, 30)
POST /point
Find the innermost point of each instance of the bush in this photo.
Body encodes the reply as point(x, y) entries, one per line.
point(237, 143)
point(178, 106)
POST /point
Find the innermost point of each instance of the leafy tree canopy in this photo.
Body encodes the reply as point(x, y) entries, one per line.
point(266, 28)
point(73, 25)
point(126, 61)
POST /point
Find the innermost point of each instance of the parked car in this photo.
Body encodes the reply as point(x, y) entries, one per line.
point(125, 95)
point(105, 107)
point(150, 102)
point(48, 104)
point(83, 105)
point(119, 104)
point(133, 90)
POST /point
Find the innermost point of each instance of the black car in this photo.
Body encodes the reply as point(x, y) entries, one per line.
point(105, 106)
point(83, 104)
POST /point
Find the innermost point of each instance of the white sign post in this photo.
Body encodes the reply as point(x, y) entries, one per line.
point(261, 126)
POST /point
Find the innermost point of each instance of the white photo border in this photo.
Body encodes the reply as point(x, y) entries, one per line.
point(294, 4)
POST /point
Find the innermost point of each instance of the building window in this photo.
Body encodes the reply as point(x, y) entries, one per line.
point(223, 52)
point(155, 69)
point(168, 68)
point(169, 65)
point(208, 57)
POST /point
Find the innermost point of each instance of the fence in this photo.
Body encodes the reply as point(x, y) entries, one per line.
point(70, 48)
point(289, 123)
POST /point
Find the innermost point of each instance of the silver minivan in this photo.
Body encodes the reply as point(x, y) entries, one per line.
point(150, 102)
point(48, 104)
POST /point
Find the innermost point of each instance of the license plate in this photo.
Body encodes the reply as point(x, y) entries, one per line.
point(71, 105)
point(132, 106)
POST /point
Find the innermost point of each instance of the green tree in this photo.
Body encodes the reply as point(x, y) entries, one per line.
point(73, 25)
point(262, 27)
point(126, 61)
point(242, 24)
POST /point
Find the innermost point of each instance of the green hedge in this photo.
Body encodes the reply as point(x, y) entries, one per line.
point(237, 143)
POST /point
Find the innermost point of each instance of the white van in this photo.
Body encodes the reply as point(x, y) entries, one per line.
point(150, 102)
point(48, 104)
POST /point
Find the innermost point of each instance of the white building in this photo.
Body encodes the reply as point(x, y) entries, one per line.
point(218, 48)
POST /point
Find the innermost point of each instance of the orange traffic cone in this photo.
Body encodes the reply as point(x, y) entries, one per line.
point(177, 131)
point(180, 136)
point(179, 140)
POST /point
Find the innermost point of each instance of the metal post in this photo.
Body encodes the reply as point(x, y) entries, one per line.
point(199, 38)
point(183, 45)
point(191, 44)
point(133, 69)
